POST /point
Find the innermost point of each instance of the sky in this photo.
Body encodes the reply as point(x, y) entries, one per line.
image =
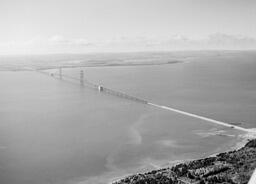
point(80, 26)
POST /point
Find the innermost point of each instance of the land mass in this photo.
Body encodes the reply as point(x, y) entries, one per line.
point(43, 62)
point(234, 167)
point(52, 61)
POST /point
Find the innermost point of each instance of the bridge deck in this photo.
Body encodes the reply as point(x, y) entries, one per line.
point(139, 100)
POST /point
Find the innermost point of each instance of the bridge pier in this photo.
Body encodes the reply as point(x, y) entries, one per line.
point(100, 88)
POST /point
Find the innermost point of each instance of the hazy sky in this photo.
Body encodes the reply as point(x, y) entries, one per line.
point(45, 26)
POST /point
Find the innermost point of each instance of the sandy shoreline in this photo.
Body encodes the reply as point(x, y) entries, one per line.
point(240, 143)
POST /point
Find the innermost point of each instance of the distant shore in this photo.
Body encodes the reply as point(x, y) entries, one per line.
point(93, 64)
point(234, 167)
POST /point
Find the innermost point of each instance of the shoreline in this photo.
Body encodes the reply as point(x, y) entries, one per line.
point(238, 141)
point(89, 65)
point(174, 167)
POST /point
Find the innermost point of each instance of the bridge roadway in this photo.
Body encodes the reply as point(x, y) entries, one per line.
point(200, 117)
point(129, 97)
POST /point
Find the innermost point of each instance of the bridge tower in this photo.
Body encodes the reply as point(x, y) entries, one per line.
point(60, 73)
point(81, 77)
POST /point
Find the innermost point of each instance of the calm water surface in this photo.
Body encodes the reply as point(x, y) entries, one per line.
point(56, 132)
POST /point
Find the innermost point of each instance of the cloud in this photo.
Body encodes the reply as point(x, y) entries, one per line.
point(180, 42)
point(58, 39)
point(231, 41)
point(60, 44)
point(53, 44)
point(213, 41)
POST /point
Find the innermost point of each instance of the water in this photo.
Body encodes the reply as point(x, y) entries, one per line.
point(53, 131)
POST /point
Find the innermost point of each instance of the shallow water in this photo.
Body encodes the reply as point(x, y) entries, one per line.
point(54, 131)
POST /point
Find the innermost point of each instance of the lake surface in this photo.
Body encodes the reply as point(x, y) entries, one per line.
point(57, 132)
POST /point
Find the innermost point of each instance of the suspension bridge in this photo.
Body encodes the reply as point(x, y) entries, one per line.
point(85, 83)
